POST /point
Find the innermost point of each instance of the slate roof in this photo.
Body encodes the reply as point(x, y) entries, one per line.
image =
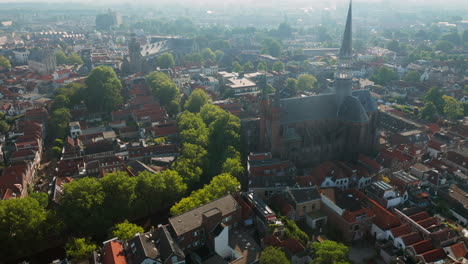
point(193, 219)
point(166, 244)
point(304, 195)
point(352, 110)
point(323, 106)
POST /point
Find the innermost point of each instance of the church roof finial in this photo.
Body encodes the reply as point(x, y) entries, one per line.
point(346, 45)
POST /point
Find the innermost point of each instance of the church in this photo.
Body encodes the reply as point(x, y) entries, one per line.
point(334, 126)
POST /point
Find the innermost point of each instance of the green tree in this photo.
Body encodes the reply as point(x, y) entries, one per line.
point(41, 197)
point(306, 82)
point(60, 101)
point(193, 58)
point(248, 67)
point(24, 224)
point(452, 37)
point(4, 127)
point(329, 252)
point(75, 92)
point(103, 89)
point(291, 84)
point(261, 66)
point(278, 66)
point(4, 62)
point(196, 100)
point(384, 76)
point(393, 45)
point(163, 87)
point(453, 109)
point(56, 152)
point(218, 187)
point(126, 230)
point(429, 112)
point(434, 95)
point(158, 190)
point(60, 57)
point(193, 130)
point(119, 192)
point(444, 46)
point(81, 207)
point(79, 248)
point(272, 47)
point(74, 59)
point(165, 61)
point(208, 54)
point(236, 67)
point(273, 255)
point(219, 54)
point(59, 120)
point(190, 163)
point(412, 76)
point(233, 166)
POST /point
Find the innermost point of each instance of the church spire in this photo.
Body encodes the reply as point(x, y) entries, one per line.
point(346, 46)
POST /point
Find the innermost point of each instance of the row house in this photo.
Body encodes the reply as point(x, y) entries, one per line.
point(144, 153)
point(168, 130)
point(348, 212)
point(15, 180)
point(263, 164)
point(209, 225)
point(384, 194)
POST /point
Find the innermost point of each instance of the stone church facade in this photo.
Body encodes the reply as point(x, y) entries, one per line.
point(335, 126)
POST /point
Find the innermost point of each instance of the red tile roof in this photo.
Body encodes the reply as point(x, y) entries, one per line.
point(113, 253)
point(400, 230)
point(459, 250)
point(434, 255)
point(411, 238)
point(419, 216)
point(423, 246)
point(428, 222)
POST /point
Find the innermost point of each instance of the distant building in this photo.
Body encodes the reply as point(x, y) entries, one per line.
point(42, 61)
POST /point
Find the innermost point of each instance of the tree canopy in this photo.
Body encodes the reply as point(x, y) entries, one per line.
point(164, 89)
point(219, 186)
point(273, 255)
point(79, 248)
point(278, 66)
point(272, 47)
point(4, 62)
point(196, 100)
point(412, 76)
point(103, 89)
point(384, 76)
point(126, 230)
point(428, 112)
point(434, 95)
point(305, 82)
point(329, 252)
point(453, 109)
point(165, 61)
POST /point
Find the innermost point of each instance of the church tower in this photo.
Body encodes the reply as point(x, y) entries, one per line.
point(343, 75)
point(134, 54)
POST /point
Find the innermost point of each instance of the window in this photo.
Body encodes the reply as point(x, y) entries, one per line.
point(196, 243)
point(313, 206)
point(227, 219)
point(304, 208)
point(181, 238)
point(196, 233)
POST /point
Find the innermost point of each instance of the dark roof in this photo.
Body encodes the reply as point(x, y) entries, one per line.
point(366, 100)
point(139, 248)
point(352, 110)
point(304, 195)
point(323, 106)
point(193, 219)
point(166, 244)
point(308, 108)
